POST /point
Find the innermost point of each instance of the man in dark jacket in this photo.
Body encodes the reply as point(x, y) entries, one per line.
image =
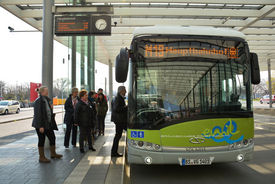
point(119, 117)
point(44, 124)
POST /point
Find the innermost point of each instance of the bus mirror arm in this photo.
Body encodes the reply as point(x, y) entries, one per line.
point(255, 70)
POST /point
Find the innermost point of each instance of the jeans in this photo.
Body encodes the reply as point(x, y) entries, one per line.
point(70, 126)
point(101, 123)
point(85, 131)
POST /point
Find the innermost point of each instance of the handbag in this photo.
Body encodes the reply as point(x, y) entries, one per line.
point(54, 122)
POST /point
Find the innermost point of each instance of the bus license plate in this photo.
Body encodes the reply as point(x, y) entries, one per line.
point(199, 161)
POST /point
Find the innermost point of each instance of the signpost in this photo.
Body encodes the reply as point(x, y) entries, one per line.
point(72, 25)
point(82, 25)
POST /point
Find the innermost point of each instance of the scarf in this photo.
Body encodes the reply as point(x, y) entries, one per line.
point(92, 99)
point(86, 102)
point(74, 100)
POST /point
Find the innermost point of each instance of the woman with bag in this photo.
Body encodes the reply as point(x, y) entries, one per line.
point(44, 124)
point(70, 105)
point(102, 108)
point(84, 118)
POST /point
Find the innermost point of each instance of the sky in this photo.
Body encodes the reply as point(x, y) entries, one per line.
point(21, 55)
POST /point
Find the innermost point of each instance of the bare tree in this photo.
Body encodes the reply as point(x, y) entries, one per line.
point(59, 86)
point(260, 89)
point(22, 91)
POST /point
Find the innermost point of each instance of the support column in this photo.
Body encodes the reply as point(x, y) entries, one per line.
point(110, 84)
point(89, 63)
point(269, 83)
point(93, 63)
point(73, 73)
point(47, 46)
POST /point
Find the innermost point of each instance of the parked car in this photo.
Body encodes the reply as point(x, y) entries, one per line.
point(265, 99)
point(9, 106)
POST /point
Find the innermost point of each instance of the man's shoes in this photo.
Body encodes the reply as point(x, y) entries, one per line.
point(91, 148)
point(66, 146)
point(116, 155)
point(81, 150)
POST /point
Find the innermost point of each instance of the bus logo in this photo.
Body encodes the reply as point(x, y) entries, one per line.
point(197, 140)
point(219, 134)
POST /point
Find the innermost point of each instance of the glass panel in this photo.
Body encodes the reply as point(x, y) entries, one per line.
point(169, 86)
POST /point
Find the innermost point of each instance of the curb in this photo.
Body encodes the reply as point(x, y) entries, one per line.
point(125, 176)
point(9, 121)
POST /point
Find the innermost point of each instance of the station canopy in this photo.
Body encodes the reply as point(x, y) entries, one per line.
point(254, 18)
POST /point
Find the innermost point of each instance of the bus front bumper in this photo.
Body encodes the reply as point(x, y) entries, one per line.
point(137, 156)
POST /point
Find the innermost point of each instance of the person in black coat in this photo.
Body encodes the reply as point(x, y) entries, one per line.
point(44, 124)
point(70, 105)
point(84, 117)
point(91, 98)
point(119, 117)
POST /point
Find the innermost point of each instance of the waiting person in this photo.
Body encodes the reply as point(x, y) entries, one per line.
point(100, 90)
point(119, 117)
point(84, 117)
point(91, 98)
point(102, 108)
point(70, 105)
point(44, 124)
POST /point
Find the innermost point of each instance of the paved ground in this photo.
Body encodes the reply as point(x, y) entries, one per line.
point(19, 155)
point(19, 161)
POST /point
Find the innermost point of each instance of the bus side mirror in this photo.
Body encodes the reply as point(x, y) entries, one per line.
point(121, 65)
point(255, 70)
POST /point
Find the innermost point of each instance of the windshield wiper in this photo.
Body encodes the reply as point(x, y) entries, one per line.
point(157, 122)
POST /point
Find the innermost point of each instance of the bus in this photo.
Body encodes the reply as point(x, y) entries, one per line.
point(189, 95)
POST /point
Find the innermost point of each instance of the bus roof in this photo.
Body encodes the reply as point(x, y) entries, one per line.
point(187, 30)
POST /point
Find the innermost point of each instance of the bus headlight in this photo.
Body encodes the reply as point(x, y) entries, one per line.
point(140, 144)
point(144, 145)
point(244, 143)
point(149, 145)
point(157, 147)
point(133, 143)
point(232, 146)
point(239, 144)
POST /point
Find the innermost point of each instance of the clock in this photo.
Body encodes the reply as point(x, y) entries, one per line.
point(101, 24)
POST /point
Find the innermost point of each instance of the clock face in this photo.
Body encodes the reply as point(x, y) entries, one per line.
point(101, 24)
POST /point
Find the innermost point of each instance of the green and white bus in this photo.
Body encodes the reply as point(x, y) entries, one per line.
point(189, 95)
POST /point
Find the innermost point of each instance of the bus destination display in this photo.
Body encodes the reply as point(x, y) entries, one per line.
point(72, 25)
point(159, 51)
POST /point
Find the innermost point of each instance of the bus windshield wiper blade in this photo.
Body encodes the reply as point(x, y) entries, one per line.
point(157, 122)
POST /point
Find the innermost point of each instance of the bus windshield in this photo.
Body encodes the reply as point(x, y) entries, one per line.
point(176, 79)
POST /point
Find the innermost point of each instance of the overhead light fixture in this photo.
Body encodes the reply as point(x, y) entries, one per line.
point(12, 30)
point(226, 20)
